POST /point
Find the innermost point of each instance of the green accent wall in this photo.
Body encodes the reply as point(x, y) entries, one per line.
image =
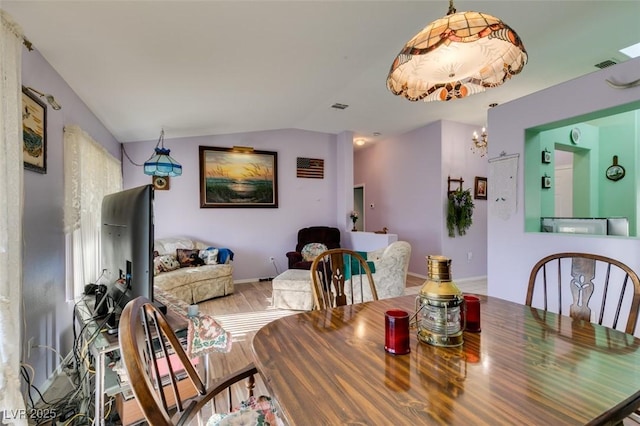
point(593, 194)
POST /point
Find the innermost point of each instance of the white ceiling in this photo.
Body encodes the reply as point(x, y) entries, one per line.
point(215, 67)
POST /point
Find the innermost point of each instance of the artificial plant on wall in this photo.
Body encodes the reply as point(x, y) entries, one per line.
point(459, 212)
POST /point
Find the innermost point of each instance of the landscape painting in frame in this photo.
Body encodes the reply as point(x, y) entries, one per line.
point(238, 177)
point(34, 132)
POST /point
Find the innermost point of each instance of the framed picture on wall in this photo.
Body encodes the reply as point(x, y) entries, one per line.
point(238, 177)
point(480, 188)
point(546, 182)
point(34, 132)
point(546, 157)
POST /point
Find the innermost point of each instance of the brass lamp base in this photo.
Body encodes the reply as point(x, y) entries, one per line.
point(440, 339)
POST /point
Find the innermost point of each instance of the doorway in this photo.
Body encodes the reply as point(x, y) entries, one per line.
point(358, 205)
point(563, 183)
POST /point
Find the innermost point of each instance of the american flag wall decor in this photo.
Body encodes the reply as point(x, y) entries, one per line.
point(310, 168)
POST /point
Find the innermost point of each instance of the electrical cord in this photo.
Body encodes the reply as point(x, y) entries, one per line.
point(81, 344)
point(27, 378)
point(64, 404)
point(124, 152)
point(55, 405)
point(51, 349)
point(78, 416)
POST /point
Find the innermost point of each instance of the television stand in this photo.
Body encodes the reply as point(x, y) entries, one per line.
point(101, 344)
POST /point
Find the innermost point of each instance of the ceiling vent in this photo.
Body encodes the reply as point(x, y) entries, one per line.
point(339, 106)
point(606, 64)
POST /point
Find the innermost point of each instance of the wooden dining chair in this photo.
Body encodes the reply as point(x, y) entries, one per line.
point(341, 277)
point(579, 282)
point(172, 392)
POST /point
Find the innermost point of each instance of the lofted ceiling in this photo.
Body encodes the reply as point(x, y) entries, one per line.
point(216, 67)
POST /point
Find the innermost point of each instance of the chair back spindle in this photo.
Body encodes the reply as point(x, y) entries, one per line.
point(341, 277)
point(156, 361)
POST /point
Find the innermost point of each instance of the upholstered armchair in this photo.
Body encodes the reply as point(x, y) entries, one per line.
point(326, 235)
point(389, 267)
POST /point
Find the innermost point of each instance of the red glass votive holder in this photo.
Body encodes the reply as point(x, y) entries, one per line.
point(396, 332)
point(471, 312)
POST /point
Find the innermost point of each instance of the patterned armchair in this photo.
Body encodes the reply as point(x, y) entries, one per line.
point(326, 235)
point(389, 270)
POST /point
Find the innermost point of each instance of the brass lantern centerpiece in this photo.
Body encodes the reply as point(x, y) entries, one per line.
point(438, 306)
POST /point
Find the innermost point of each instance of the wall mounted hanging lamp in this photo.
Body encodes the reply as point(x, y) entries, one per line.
point(481, 141)
point(456, 56)
point(49, 98)
point(161, 163)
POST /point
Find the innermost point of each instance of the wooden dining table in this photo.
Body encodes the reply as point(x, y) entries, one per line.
point(525, 367)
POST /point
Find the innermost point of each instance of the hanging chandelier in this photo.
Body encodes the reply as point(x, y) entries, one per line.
point(456, 56)
point(161, 163)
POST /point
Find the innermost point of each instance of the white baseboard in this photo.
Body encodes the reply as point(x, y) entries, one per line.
point(247, 280)
point(413, 274)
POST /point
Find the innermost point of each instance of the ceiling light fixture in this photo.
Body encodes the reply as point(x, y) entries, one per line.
point(456, 56)
point(360, 142)
point(49, 97)
point(632, 51)
point(161, 163)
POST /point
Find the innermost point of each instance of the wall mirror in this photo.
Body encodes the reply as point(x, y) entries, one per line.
point(588, 168)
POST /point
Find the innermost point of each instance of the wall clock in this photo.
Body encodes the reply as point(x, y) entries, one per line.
point(160, 182)
point(576, 134)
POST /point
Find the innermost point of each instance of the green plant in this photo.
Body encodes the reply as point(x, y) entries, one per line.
point(459, 212)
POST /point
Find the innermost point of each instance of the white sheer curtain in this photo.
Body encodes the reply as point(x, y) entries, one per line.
point(90, 173)
point(11, 213)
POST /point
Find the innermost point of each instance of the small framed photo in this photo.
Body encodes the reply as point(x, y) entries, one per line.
point(480, 188)
point(34, 132)
point(546, 182)
point(546, 157)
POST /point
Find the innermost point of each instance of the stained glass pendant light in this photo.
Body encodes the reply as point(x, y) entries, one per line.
point(456, 56)
point(161, 163)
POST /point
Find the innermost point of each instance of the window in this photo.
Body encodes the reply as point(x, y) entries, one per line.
point(90, 173)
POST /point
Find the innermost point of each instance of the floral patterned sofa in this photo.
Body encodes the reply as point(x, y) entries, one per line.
point(192, 270)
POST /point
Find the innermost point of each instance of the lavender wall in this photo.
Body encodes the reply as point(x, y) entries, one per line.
point(406, 179)
point(508, 268)
point(253, 234)
point(468, 253)
point(48, 316)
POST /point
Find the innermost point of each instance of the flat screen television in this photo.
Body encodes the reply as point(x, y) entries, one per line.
point(127, 235)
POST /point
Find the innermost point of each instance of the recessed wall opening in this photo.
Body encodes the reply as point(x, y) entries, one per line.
point(584, 169)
